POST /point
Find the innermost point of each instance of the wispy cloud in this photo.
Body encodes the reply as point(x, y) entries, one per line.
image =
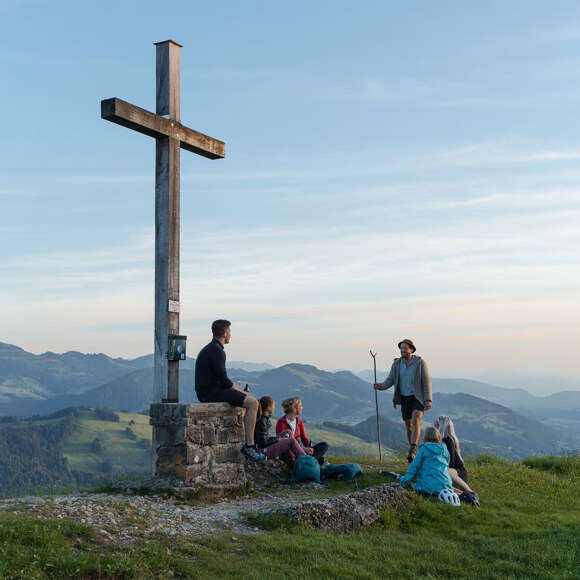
point(17, 192)
point(407, 90)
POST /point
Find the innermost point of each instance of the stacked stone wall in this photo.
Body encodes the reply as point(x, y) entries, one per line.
point(198, 445)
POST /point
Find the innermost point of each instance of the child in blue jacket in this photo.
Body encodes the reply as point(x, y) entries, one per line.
point(430, 466)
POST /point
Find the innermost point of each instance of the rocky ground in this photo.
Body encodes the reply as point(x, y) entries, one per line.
point(121, 518)
point(140, 509)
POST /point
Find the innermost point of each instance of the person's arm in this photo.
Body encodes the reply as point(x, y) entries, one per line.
point(261, 433)
point(218, 362)
point(426, 383)
point(280, 426)
point(305, 441)
point(413, 469)
point(389, 381)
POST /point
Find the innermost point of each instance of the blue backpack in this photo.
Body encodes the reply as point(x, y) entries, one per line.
point(345, 471)
point(305, 468)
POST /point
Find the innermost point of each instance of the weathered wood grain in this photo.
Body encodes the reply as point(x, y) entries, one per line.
point(168, 79)
point(160, 362)
point(128, 115)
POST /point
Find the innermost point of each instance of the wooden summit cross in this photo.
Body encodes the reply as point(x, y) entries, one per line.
point(170, 135)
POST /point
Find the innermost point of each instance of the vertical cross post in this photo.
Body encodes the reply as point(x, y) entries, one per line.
point(170, 135)
point(167, 156)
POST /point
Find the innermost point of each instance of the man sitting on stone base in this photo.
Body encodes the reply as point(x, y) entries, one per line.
point(212, 384)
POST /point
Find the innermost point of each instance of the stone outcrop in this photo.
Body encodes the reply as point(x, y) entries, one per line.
point(198, 446)
point(345, 513)
point(266, 474)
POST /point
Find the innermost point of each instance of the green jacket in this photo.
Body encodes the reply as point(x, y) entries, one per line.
point(421, 382)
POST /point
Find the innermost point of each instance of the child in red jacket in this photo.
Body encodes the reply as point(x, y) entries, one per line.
point(291, 421)
point(273, 447)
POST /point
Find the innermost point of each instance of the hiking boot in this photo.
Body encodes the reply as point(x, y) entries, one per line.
point(412, 452)
point(470, 498)
point(252, 453)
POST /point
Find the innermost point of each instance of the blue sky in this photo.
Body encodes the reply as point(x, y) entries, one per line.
point(393, 169)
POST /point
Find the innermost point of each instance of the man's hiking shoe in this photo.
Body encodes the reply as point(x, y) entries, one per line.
point(469, 498)
point(412, 452)
point(252, 453)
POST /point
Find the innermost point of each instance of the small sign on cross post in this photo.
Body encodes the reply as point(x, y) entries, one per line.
point(170, 136)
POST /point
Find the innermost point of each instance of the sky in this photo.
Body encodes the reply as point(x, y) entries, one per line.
point(393, 169)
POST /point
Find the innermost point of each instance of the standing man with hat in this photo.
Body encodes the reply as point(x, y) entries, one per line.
point(410, 376)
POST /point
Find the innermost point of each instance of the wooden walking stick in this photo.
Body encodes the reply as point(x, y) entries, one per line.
point(377, 406)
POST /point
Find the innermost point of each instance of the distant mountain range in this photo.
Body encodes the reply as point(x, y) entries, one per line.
point(485, 426)
point(487, 415)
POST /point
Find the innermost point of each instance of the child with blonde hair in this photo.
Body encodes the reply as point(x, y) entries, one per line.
point(430, 466)
point(273, 447)
point(291, 422)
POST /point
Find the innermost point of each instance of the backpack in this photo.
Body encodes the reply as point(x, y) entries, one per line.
point(305, 468)
point(345, 471)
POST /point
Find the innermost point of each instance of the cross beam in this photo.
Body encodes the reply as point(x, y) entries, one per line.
point(148, 123)
point(170, 136)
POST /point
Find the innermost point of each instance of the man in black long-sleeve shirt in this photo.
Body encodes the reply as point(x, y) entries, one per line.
point(212, 384)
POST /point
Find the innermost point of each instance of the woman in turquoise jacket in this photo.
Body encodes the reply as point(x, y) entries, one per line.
point(430, 466)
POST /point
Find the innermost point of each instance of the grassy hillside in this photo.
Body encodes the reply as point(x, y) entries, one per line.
point(74, 448)
point(528, 527)
point(344, 444)
point(125, 446)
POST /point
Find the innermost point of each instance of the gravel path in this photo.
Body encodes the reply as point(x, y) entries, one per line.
point(125, 519)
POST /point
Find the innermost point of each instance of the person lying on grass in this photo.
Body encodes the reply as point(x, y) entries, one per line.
point(430, 466)
point(273, 447)
point(457, 469)
point(292, 408)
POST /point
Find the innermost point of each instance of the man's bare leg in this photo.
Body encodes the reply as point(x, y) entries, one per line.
point(413, 433)
point(251, 406)
point(416, 418)
point(409, 429)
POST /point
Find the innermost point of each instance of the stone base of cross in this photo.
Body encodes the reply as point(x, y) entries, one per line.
point(170, 137)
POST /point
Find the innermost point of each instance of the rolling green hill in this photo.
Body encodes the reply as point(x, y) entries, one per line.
point(124, 447)
point(72, 448)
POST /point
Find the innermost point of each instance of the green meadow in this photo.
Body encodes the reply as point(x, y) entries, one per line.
point(127, 454)
point(528, 527)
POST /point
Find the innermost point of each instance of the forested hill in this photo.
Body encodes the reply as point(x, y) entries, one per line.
point(31, 455)
point(73, 448)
